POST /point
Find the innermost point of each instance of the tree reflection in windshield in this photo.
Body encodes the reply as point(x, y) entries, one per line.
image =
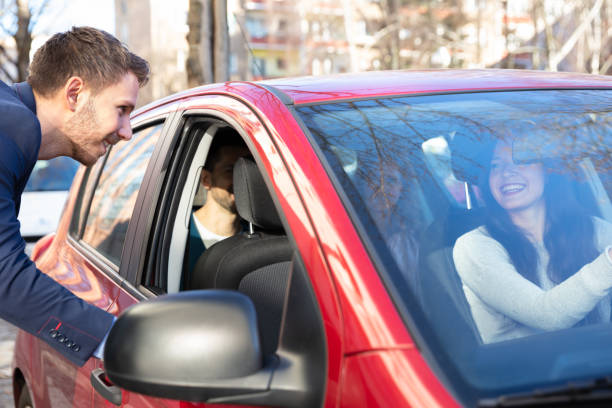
point(410, 168)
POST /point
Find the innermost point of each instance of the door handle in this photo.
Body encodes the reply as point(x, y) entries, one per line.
point(104, 387)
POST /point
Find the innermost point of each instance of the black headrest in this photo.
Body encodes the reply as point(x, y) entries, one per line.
point(471, 155)
point(253, 201)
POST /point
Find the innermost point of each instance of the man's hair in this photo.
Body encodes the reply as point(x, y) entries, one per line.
point(225, 136)
point(96, 56)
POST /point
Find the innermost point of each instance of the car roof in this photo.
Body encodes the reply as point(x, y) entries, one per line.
point(317, 89)
point(387, 83)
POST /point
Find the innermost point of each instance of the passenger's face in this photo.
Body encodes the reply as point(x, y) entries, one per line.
point(515, 187)
point(386, 189)
point(102, 119)
point(219, 182)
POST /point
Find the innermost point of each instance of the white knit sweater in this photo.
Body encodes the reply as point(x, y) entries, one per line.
point(506, 306)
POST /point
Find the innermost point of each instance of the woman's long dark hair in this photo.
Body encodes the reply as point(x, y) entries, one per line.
point(569, 235)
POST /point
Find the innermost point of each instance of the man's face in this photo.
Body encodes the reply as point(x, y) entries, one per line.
point(219, 182)
point(102, 119)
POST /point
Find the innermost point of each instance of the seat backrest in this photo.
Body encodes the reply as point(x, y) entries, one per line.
point(440, 289)
point(255, 262)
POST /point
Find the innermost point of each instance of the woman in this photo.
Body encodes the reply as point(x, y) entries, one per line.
point(539, 262)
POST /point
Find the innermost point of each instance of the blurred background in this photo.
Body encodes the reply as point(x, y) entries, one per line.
point(192, 42)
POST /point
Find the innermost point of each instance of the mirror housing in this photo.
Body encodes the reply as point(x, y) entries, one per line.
point(194, 346)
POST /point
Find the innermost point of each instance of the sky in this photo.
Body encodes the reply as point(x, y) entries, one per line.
point(63, 14)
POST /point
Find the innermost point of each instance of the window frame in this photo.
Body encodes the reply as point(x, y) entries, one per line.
point(86, 192)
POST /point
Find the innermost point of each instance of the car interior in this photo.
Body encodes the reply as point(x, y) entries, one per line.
point(260, 262)
point(437, 276)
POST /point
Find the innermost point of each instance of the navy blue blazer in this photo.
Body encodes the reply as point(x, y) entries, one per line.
point(29, 299)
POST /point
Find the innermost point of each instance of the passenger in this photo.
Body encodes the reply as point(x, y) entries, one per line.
point(217, 219)
point(389, 203)
point(540, 262)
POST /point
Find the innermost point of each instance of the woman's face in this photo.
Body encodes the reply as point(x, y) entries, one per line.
point(515, 187)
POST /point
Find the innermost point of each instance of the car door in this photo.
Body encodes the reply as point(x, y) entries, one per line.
point(156, 253)
point(110, 227)
point(90, 265)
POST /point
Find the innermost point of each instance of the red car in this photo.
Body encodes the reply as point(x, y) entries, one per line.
point(347, 287)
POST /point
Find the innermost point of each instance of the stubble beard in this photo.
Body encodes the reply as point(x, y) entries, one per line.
point(80, 130)
point(225, 201)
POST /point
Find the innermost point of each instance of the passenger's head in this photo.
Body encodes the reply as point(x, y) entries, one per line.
point(92, 82)
point(385, 188)
point(217, 175)
point(514, 187)
point(507, 186)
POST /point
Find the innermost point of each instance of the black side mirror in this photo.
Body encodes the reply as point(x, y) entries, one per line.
point(193, 346)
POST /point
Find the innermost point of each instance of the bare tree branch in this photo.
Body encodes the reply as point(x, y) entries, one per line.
point(557, 57)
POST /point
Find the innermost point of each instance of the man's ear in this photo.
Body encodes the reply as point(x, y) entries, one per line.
point(206, 179)
point(72, 91)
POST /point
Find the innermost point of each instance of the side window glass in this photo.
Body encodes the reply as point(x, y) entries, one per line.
point(86, 188)
point(115, 195)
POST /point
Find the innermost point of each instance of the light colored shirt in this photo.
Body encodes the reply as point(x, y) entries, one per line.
point(505, 305)
point(208, 237)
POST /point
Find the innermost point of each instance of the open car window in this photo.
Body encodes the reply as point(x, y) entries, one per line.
point(416, 174)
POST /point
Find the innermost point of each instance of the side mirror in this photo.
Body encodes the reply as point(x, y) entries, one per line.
point(193, 346)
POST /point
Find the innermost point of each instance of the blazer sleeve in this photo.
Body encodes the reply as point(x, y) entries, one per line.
point(30, 299)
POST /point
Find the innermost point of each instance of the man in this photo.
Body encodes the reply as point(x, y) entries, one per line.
point(217, 219)
point(82, 87)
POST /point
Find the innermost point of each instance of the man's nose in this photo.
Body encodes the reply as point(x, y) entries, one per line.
point(125, 131)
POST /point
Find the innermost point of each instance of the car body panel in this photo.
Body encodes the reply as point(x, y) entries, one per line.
point(397, 368)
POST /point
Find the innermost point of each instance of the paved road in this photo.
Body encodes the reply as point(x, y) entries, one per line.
point(7, 342)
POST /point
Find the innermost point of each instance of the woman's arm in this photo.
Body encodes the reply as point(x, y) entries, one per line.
point(485, 267)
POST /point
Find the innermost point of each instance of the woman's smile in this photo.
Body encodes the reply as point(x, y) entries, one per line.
point(515, 187)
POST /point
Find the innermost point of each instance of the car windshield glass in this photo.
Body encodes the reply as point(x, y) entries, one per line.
point(488, 215)
point(52, 175)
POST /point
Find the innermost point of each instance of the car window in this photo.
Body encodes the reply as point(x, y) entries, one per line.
point(115, 194)
point(479, 206)
point(52, 175)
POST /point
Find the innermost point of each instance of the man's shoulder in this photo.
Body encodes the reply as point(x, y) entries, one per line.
point(18, 123)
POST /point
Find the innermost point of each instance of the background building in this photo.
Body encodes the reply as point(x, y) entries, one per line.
point(156, 30)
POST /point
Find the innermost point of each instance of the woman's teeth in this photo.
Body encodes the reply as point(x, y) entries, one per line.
point(512, 188)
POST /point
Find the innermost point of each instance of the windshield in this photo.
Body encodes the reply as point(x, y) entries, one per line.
point(52, 175)
point(490, 214)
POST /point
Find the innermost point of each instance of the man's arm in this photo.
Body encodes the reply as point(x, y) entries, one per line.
point(30, 299)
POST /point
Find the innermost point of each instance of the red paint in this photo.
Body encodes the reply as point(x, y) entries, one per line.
point(371, 357)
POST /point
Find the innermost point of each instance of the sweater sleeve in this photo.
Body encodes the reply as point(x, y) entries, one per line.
point(485, 267)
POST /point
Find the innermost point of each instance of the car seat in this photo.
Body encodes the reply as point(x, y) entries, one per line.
point(256, 262)
point(440, 289)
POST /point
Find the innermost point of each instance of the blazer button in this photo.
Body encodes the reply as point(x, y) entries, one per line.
point(61, 338)
point(76, 347)
point(69, 343)
point(53, 333)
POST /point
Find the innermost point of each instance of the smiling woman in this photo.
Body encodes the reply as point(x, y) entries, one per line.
point(535, 236)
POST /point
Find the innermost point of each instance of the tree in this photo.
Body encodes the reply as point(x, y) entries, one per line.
point(208, 39)
point(17, 20)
